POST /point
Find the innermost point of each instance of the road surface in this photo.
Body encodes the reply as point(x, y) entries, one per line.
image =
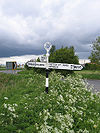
point(95, 84)
point(10, 71)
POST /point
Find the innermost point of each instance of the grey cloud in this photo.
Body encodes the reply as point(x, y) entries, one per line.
point(27, 24)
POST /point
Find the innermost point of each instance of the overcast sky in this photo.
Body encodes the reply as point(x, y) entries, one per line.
point(25, 25)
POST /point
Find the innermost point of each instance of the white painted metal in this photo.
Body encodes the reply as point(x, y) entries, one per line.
point(47, 47)
point(36, 64)
point(55, 65)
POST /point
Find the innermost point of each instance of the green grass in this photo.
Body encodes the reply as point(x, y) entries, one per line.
point(69, 107)
point(2, 68)
point(89, 74)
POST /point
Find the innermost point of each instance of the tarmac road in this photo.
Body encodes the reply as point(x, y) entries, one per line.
point(95, 84)
point(10, 71)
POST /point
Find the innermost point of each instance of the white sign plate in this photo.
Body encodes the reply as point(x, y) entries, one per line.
point(55, 65)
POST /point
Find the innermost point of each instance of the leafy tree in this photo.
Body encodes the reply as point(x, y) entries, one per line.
point(95, 54)
point(52, 50)
point(64, 55)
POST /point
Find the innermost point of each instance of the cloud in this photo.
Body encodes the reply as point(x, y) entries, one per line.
point(18, 59)
point(29, 23)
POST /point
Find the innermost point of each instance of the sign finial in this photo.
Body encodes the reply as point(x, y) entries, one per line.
point(47, 46)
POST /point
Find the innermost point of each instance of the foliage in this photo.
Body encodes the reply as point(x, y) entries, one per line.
point(89, 74)
point(91, 66)
point(64, 55)
point(69, 107)
point(53, 49)
point(38, 59)
point(95, 54)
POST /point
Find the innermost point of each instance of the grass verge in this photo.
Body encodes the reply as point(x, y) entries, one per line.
point(89, 74)
point(69, 107)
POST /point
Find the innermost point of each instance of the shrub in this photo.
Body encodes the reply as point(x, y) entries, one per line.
point(89, 66)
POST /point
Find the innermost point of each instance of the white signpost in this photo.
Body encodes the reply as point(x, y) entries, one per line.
point(48, 65)
point(55, 65)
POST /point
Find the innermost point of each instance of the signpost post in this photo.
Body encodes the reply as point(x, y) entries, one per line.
point(47, 47)
point(48, 65)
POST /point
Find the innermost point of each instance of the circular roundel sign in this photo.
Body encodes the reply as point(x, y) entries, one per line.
point(47, 46)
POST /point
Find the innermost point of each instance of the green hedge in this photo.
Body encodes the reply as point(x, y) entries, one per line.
point(89, 66)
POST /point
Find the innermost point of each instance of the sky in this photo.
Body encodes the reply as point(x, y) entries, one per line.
point(25, 25)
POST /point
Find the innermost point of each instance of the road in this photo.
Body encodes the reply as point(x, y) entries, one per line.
point(10, 71)
point(95, 84)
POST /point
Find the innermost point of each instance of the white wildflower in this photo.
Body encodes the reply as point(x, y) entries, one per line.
point(56, 130)
point(15, 104)
point(40, 114)
point(11, 109)
point(5, 105)
point(60, 98)
point(6, 98)
point(2, 114)
point(14, 115)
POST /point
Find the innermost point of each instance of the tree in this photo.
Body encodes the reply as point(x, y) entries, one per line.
point(52, 50)
point(64, 55)
point(95, 54)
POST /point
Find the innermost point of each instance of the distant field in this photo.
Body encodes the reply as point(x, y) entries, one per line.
point(89, 74)
point(2, 68)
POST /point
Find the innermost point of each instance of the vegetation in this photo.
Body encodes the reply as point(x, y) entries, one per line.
point(89, 74)
point(68, 108)
point(53, 49)
point(90, 66)
point(38, 59)
point(64, 55)
point(2, 68)
point(95, 54)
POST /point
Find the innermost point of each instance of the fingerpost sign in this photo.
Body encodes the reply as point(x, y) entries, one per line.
point(50, 65)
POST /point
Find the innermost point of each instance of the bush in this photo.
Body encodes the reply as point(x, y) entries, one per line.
point(89, 66)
